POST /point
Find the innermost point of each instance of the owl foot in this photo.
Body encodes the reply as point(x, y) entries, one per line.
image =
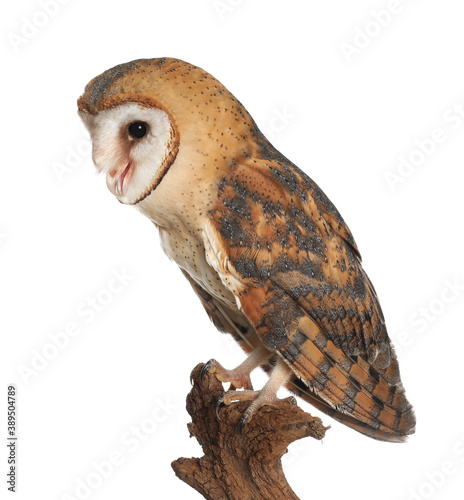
point(238, 377)
point(266, 396)
point(257, 398)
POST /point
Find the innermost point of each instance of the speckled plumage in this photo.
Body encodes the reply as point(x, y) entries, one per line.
point(265, 250)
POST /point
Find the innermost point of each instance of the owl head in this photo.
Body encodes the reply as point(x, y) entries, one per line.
point(149, 115)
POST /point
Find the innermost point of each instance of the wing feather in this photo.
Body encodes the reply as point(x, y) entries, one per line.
point(285, 252)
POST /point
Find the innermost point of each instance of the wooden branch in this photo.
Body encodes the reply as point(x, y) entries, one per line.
point(244, 465)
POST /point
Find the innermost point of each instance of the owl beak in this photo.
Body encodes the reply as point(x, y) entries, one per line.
point(118, 178)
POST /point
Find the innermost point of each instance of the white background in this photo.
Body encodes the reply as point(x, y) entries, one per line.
point(348, 119)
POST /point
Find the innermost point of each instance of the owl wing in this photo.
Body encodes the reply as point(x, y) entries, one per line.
point(282, 248)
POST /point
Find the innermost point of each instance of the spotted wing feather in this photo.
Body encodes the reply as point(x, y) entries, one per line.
point(283, 249)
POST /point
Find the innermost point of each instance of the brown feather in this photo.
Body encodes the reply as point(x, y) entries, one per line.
point(301, 278)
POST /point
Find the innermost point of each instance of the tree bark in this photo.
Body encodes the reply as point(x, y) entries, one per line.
point(244, 465)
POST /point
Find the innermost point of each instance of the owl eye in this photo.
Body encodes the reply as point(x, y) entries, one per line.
point(137, 130)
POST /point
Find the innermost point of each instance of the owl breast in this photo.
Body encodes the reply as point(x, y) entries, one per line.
point(188, 252)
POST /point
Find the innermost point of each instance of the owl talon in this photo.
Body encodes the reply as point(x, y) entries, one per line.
point(238, 378)
point(205, 369)
point(244, 420)
point(218, 405)
point(230, 396)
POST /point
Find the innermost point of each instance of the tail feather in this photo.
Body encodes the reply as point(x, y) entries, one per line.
point(365, 397)
point(300, 389)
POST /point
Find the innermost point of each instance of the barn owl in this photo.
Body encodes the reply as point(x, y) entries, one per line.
point(267, 253)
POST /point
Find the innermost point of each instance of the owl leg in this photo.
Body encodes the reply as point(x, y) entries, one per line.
point(266, 396)
point(240, 376)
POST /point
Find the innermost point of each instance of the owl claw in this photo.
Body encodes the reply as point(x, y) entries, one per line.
point(244, 420)
point(218, 405)
point(238, 377)
point(230, 396)
point(257, 398)
point(205, 370)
